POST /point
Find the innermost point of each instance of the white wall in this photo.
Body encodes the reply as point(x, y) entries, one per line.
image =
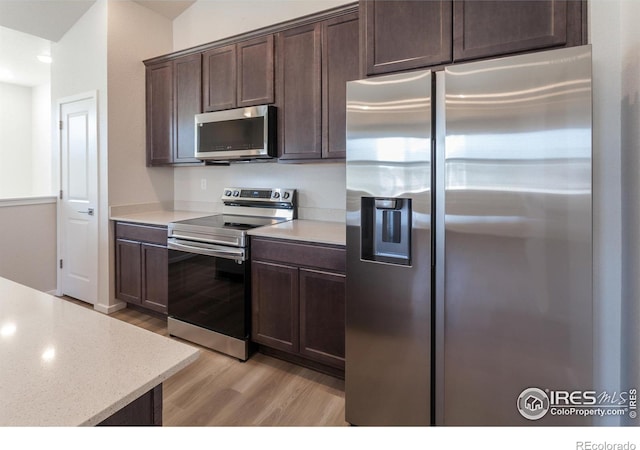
point(321, 186)
point(210, 20)
point(41, 149)
point(15, 141)
point(135, 33)
point(25, 136)
point(28, 244)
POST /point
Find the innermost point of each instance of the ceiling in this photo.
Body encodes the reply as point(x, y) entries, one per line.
point(168, 8)
point(46, 19)
point(18, 58)
point(27, 28)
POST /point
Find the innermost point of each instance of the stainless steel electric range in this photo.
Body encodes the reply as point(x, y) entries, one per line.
point(209, 268)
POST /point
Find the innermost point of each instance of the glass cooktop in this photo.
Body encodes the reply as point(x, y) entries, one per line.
point(227, 221)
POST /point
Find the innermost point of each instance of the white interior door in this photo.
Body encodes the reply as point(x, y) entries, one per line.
point(78, 212)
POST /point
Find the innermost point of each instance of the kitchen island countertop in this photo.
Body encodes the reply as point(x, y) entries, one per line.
point(66, 365)
point(333, 233)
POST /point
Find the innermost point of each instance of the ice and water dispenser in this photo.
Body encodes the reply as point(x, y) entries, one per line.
point(386, 230)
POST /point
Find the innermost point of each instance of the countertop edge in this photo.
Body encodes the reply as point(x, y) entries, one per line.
point(309, 240)
point(143, 389)
point(158, 217)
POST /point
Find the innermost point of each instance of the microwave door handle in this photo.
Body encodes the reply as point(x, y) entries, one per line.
point(209, 250)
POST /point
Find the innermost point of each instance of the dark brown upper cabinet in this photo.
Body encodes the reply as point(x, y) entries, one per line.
point(173, 98)
point(314, 63)
point(239, 74)
point(159, 95)
point(299, 92)
point(407, 34)
point(402, 35)
point(219, 78)
point(340, 63)
point(255, 73)
point(492, 28)
point(188, 103)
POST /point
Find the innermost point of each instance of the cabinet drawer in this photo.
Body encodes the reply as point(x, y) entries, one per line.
point(299, 254)
point(142, 233)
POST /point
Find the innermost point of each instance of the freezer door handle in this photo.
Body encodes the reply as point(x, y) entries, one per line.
point(438, 257)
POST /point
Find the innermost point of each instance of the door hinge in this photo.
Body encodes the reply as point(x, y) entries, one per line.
point(61, 264)
point(60, 194)
point(61, 124)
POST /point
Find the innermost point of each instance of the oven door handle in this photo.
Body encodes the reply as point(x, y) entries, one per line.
point(237, 254)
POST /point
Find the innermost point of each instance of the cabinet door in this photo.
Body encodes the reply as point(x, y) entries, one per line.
point(298, 90)
point(255, 71)
point(159, 97)
point(405, 34)
point(155, 277)
point(219, 78)
point(128, 271)
point(322, 312)
point(491, 28)
point(340, 63)
point(275, 306)
point(188, 103)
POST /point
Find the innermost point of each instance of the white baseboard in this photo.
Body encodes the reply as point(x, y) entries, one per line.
point(109, 309)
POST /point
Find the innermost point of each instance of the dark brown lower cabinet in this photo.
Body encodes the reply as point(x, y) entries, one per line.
point(128, 274)
point(143, 411)
point(322, 303)
point(298, 301)
point(141, 265)
point(275, 305)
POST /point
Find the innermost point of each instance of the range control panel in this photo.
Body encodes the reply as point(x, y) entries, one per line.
point(272, 195)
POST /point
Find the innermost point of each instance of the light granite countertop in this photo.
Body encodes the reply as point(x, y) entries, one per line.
point(65, 365)
point(333, 233)
point(159, 217)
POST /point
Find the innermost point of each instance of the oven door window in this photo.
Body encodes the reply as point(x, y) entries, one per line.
point(209, 292)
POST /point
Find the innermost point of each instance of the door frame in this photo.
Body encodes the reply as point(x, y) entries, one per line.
point(88, 95)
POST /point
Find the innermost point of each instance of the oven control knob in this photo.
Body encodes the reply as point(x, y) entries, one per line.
point(227, 193)
point(286, 195)
point(236, 193)
point(276, 194)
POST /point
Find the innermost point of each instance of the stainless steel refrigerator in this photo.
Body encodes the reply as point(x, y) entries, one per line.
point(469, 250)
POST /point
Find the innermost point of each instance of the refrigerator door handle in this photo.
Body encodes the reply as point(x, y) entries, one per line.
point(439, 186)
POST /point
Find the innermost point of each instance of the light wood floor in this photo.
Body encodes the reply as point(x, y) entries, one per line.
point(218, 390)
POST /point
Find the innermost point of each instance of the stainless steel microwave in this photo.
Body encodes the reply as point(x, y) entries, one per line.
point(236, 134)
